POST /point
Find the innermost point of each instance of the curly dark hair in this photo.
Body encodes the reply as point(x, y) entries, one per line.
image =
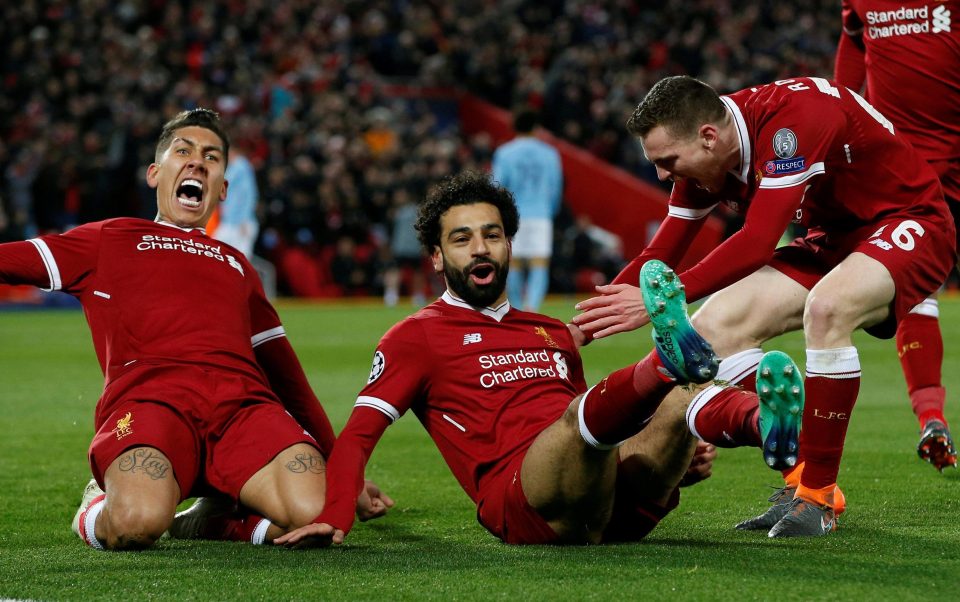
point(204, 118)
point(463, 189)
point(681, 104)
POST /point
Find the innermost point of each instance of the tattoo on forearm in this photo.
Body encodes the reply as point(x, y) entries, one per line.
point(307, 463)
point(148, 462)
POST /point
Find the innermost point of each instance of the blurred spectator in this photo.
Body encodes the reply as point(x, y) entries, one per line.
point(407, 269)
point(587, 256)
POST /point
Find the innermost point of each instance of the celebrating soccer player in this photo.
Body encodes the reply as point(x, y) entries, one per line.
point(909, 58)
point(199, 376)
point(880, 240)
point(502, 394)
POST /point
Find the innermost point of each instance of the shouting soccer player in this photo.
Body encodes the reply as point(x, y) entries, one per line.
point(909, 56)
point(501, 392)
point(880, 240)
point(199, 376)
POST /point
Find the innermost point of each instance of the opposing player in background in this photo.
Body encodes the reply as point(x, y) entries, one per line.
point(908, 55)
point(531, 170)
point(502, 394)
point(880, 240)
point(202, 391)
point(238, 224)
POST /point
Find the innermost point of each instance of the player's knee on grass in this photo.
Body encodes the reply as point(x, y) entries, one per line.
point(134, 527)
point(296, 512)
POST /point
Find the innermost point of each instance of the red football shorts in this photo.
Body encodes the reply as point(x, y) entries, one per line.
point(948, 170)
point(503, 510)
point(918, 263)
point(216, 429)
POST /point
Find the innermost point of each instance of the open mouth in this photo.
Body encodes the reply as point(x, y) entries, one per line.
point(482, 274)
point(189, 193)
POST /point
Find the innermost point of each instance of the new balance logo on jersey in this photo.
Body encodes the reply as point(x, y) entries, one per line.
point(473, 337)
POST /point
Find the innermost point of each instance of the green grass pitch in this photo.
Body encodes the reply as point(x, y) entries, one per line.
point(899, 540)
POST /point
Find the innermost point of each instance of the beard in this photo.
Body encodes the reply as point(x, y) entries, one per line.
point(477, 295)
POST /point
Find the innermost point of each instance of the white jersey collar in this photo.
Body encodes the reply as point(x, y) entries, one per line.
point(497, 313)
point(742, 173)
point(170, 225)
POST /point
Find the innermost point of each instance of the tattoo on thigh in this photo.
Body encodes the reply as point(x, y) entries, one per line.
point(151, 463)
point(307, 463)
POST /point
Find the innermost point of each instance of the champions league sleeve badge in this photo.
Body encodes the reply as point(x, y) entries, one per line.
point(785, 143)
point(379, 363)
point(784, 147)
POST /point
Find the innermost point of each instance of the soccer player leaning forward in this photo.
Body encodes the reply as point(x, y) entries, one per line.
point(880, 240)
point(199, 375)
point(502, 394)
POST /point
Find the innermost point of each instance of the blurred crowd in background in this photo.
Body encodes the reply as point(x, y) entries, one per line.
point(343, 107)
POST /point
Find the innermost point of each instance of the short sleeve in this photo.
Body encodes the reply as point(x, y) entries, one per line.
point(399, 372)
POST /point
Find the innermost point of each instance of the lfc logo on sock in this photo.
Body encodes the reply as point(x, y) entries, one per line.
point(830, 415)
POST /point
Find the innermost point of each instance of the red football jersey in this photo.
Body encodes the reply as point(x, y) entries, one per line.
point(912, 67)
point(811, 152)
point(484, 383)
point(122, 271)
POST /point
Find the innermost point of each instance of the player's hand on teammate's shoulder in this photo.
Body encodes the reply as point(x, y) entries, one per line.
point(618, 308)
point(580, 338)
point(314, 535)
point(372, 502)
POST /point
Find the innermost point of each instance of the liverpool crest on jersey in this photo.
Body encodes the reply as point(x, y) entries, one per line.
point(540, 330)
point(123, 427)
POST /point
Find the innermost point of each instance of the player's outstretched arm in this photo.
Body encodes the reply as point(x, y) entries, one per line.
point(348, 493)
point(287, 379)
point(619, 305)
point(618, 308)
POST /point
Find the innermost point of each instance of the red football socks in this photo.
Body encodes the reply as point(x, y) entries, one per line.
point(620, 405)
point(832, 384)
point(725, 417)
point(728, 416)
point(250, 528)
point(920, 347)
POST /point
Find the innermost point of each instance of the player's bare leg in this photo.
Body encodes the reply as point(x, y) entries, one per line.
point(736, 321)
point(857, 293)
point(276, 499)
point(289, 491)
point(568, 482)
point(761, 306)
point(569, 474)
point(656, 459)
point(141, 498)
